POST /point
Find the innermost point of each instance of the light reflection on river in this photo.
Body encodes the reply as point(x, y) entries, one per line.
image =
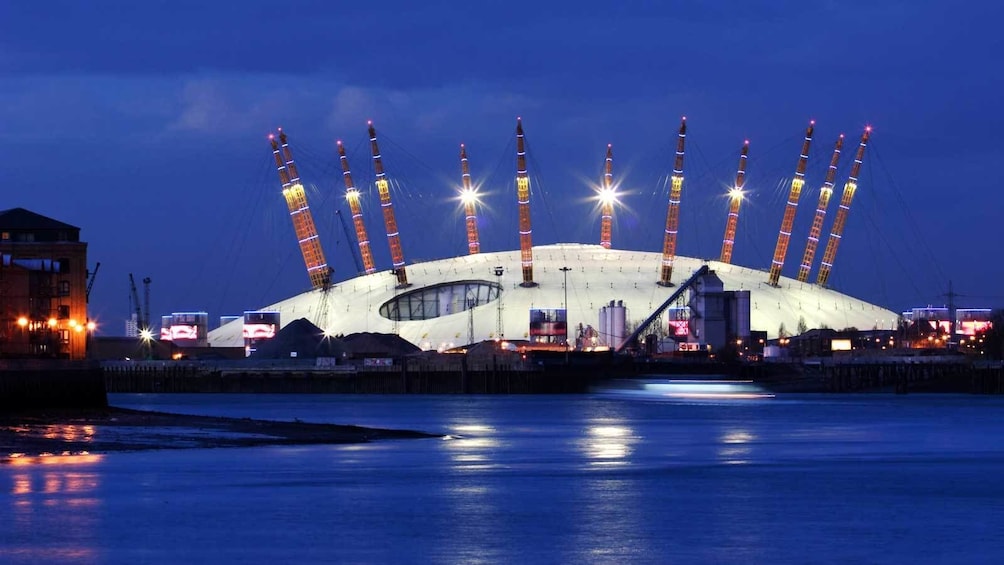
point(534, 479)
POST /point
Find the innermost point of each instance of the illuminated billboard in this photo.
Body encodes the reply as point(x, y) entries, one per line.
point(548, 325)
point(259, 325)
point(179, 333)
point(190, 329)
point(679, 328)
point(259, 331)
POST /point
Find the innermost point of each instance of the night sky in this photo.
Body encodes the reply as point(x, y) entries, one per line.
point(145, 124)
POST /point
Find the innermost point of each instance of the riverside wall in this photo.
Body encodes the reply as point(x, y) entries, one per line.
point(504, 374)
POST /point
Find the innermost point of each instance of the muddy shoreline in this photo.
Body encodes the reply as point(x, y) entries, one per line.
point(107, 430)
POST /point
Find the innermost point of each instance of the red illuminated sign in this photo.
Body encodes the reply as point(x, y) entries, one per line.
point(259, 331)
point(681, 328)
point(184, 332)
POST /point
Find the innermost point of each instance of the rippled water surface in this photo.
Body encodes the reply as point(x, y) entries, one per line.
point(537, 479)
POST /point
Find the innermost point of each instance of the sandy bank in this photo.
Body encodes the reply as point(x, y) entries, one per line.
point(119, 429)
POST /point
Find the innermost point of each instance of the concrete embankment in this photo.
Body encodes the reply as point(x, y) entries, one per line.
point(448, 374)
point(505, 374)
point(956, 375)
point(34, 384)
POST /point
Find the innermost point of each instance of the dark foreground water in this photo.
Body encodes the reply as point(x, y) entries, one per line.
point(555, 479)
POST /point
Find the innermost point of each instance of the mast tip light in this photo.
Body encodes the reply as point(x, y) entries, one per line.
point(868, 129)
point(812, 122)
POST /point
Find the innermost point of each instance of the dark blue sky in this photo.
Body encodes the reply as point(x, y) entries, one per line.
point(144, 123)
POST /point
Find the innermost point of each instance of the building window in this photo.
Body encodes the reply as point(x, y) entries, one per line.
point(26, 237)
point(64, 265)
point(64, 336)
point(64, 288)
point(64, 312)
point(5, 236)
point(440, 300)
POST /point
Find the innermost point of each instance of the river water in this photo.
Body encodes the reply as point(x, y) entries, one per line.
point(537, 479)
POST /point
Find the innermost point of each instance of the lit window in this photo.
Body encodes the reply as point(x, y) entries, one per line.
point(440, 300)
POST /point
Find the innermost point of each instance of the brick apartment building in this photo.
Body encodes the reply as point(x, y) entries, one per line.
point(43, 294)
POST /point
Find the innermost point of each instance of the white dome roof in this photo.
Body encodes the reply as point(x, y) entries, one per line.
point(597, 276)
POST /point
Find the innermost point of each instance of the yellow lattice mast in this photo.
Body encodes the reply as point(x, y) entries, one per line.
point(837, 231)
point(673, 212)
point(608, 197)
point(469, 197)
point(523, 198)
point(784, 236)
point(393, 236)
point(735, 199)
point(817, 221)
point(352, 196)
point(299, 212)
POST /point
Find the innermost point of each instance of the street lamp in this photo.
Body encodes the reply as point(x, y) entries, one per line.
point(564, 271)
point(498, 321)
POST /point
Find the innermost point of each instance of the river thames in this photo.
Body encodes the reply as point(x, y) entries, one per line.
point(537, 479)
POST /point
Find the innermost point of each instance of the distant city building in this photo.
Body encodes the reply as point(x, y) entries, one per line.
point(43, 287)
point(718, 317)
point(968, 321)
point(132, 326)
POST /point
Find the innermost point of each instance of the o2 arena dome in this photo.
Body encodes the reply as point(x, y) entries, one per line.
point(529, 293)
point(450, 296)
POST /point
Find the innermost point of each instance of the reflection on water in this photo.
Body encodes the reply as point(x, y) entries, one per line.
point(471, 446)
point(61, 487)
point(64, 458)
point(607, 443)
point(70, 432)
point(736, 448)
point(555, 479)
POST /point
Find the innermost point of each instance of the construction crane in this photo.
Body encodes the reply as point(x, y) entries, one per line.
point(817, 221)
point(393, 235)
point(299, 212)
point(348, 237)
point(469, 197)
point(784, 236)
point(141, 323)
point(735, 199)
point(837, 230)
point(90, 282)
point(608, 196)
point(352, 196)
point(146, 302)
point(523, 199)
point(673, 212)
